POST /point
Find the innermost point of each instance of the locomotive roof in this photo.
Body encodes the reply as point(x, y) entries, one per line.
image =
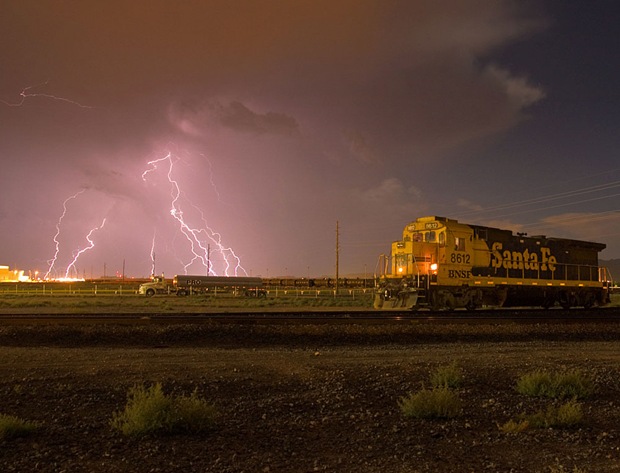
point(562, 241)
point(508, 233)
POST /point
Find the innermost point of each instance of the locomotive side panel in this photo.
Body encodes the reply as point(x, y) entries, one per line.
point(538, 258)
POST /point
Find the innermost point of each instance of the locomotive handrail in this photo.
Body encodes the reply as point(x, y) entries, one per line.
point(604, 276)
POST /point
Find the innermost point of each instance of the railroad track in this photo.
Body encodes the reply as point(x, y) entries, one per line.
point(495, 316)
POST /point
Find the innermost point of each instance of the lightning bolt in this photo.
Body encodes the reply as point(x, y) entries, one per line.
point(153, 254)
point(83, 250)
point(57, 243)
point(25, 94)
point(196, 237)
point(227, 253)
point(211, 177)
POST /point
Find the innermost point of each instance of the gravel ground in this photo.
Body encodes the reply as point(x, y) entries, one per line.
point(305, 398)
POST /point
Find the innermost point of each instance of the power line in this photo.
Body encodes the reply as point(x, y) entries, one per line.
point(548, 198)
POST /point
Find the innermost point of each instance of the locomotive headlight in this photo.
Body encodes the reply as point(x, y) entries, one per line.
point(434, 267)
point(400, 269)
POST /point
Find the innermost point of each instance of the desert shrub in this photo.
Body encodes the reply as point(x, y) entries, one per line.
point(439, 402)
point(514, 427)
point(536, 383)
point(449, 376)
point(568, 414)
point(150, 411)
point(573, 385)
point(569, 385)
point(12, 427)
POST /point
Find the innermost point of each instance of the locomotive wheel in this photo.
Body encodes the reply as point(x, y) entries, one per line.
point(548, 301)
point(588, 300)
point(567, 300)
point(471, 305)
point(474, 300)
point(150, 292)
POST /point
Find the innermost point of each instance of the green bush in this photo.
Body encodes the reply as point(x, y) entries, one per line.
point(569, 385)
point(449, 376)
point(439, 402)
point(12, 427)
point(150, 411)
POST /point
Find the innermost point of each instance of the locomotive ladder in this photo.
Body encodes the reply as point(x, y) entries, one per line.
point(421, 285)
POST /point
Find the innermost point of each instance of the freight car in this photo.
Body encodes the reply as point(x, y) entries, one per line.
point(183, 285)
point(443, 264)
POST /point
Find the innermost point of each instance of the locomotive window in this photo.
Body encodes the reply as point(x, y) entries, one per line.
point(442, 238)
point(459, 244)
point(430, 237)
point(417, 236)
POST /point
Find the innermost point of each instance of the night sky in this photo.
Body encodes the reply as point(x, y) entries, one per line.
point(266, 122)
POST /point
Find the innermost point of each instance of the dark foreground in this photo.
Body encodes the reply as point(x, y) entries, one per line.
point(305, 398)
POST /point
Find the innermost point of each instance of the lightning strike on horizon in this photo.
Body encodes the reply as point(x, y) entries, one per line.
point(198, 249)
point(216, 238)
point(52, 261)
point(83, 250)
point(24, 94)
point(153, 254)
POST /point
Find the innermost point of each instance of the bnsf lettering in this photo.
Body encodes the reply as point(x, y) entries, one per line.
point(459, 273)
point(522, 259)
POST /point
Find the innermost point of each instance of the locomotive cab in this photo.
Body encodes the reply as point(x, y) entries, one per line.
point(432, 249)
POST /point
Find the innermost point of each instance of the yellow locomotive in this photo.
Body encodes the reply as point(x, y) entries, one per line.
point(443, 264)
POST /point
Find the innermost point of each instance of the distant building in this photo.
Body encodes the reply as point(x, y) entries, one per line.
point(7, 275)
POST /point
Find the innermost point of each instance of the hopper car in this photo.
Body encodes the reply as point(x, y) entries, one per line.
point(441, 263)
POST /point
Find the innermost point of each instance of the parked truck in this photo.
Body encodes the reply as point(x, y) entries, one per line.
point(183, 285)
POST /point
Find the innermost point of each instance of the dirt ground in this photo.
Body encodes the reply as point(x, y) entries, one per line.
point(305, 398)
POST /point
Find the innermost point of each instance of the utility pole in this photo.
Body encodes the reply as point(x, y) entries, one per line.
point(337, 254)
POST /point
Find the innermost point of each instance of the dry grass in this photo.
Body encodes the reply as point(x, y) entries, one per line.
point(13, 427)
point(149, 411)
point(568, 385)
point(437, 403)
